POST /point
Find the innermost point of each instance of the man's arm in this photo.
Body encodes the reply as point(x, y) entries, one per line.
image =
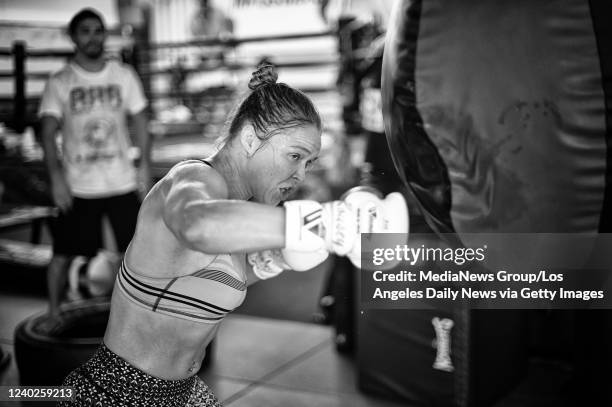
point(143, 141)
point(60, 191)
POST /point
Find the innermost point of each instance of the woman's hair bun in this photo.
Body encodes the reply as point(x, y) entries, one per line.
point(264, 75)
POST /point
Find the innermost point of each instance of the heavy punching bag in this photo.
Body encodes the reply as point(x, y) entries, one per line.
point(495, 113)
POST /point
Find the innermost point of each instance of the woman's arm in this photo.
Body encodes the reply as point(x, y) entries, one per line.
point(197, 211)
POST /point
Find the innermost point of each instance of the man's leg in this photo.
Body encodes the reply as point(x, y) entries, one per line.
point(56, 281)
point(77, 232)
point(122, 213)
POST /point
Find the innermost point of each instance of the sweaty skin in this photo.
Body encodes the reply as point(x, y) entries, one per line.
point(193, 213)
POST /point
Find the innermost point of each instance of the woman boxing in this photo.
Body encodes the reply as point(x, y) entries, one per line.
point(186, 267)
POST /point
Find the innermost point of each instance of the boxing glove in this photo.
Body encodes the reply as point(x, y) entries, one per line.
point(375, 215)
point(302, 261)
point(267, 263)
point(270, 263)
point(311, 226)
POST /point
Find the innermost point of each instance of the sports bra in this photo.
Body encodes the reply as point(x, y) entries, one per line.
point(206, 296)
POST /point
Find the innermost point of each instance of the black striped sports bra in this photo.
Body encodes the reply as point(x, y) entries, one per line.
point(207, 295)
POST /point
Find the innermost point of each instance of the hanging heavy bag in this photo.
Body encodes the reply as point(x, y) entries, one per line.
point(496, 117)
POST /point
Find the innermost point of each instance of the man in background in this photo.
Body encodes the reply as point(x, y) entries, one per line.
point(88, 101)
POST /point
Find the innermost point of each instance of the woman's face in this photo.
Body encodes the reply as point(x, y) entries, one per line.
point(281, 162)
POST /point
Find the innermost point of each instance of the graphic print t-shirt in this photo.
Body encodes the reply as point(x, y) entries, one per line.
point(92, 107)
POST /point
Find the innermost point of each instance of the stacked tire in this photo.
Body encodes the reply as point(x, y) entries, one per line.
point(47, 349)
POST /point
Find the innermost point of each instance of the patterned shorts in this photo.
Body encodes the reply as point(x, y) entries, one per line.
point(108, 380)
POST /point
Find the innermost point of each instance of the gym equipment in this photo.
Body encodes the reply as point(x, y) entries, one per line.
point(442, 354)
point(439, 357)
point(496, 117)
point(495, 113)
point(92, 277)
point(47, 349)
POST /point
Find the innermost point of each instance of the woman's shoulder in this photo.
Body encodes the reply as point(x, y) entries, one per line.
point(198, 172)
point(192, 167)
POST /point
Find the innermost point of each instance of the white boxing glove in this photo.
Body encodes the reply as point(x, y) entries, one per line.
point(270, 263)
point(267, 263)
point(302, 261)
point(375, 215)
point(311, 226)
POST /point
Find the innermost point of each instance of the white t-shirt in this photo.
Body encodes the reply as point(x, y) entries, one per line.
point(92, 107)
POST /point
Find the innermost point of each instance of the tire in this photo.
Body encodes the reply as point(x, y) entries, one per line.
point(47, 349)
point(5, 358)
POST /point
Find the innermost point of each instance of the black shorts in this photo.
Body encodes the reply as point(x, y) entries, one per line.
point(107, 380)
point(79, 231)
